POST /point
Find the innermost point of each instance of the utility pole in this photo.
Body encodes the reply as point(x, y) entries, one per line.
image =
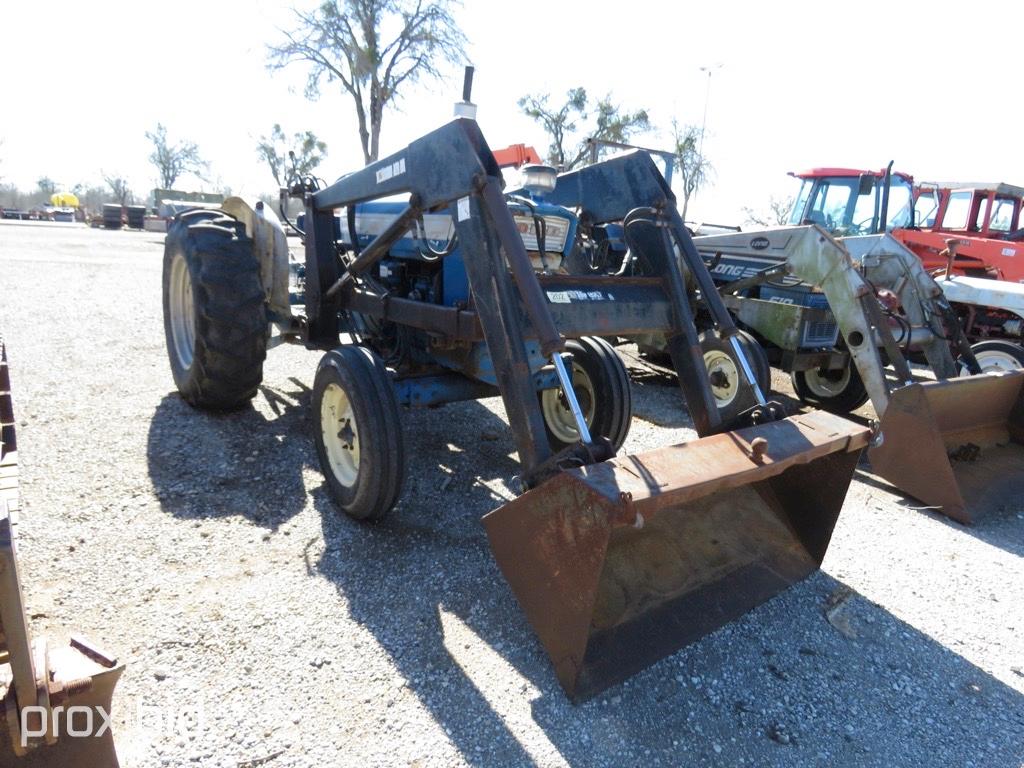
point(707, 98)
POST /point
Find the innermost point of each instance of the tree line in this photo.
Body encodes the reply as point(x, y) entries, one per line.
point(373, 51)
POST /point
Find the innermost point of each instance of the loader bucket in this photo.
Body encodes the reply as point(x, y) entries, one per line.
point(950, 443)
point(620, 563)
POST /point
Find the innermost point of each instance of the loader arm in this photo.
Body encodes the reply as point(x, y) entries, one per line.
point(813, 256)
point(614, 191)
point(925, 427)
point(451, 167)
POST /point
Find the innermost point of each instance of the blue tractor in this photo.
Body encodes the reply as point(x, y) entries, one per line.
point(461, 291)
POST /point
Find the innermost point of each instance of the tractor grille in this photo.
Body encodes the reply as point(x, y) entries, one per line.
point(823, 333)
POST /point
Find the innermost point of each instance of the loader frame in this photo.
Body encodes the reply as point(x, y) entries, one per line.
point(848, 273)
point(735, 516)
point(512, 304)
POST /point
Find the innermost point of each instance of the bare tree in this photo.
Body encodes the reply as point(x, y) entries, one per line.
point(119, 189)
point(563, 124)
point(776, 215)
point(46, 185)
point(693, 167)
point(348, 41)
point(174, 160)
point(276, 150)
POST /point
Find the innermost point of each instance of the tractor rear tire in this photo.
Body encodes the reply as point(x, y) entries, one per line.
point(215, 316)
point(837, 392)
point(601, 383)
point(732, 396)
point(358, 432)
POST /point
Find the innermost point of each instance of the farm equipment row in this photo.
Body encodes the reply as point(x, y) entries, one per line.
point(465, 290)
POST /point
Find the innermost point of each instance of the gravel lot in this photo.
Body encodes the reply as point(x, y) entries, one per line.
point(205, 552)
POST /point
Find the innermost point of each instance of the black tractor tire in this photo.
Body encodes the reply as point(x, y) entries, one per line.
point(728, 385)
point(215, 315)
point(602, 388)
point(839, 391)
point(996, 355)
point(358, 433)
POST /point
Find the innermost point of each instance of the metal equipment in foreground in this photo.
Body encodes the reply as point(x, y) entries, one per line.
point(846, 317)
point(455, 294)
point(57, 700)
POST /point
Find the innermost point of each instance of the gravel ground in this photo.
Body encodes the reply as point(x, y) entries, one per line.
point(205, 552)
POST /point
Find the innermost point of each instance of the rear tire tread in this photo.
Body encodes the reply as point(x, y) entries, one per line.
point(230, 313)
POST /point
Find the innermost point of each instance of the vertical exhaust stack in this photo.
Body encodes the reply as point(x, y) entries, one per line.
point(466, 108)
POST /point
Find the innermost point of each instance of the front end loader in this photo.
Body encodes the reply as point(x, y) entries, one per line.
point(57, 699)
point(455, 294)
point(945, 439)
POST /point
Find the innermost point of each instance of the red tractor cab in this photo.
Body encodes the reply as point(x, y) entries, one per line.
point(985, 218)
point(851, 201)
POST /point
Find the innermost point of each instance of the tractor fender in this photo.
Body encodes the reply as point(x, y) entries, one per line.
point(270, 246)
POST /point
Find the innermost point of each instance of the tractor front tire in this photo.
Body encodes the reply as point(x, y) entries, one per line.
point(837, 391)
point(215, 316)
point(601, 384)
point(728, 385)
point(996, 355)
point(358, 433)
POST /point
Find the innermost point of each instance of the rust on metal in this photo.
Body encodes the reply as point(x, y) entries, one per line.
point(954, 444)
point(623, 562)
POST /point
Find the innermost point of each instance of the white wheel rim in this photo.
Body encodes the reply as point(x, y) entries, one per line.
point(340, 434)
point(557, 414)
point(821, 385)
point(183, 320)
point(994, 360)
point(723, 375)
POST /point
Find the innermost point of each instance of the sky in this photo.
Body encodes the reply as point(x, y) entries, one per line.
point(793, 85)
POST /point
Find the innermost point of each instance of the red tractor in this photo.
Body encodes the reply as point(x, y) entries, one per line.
point(987, 220)
point(972, 234)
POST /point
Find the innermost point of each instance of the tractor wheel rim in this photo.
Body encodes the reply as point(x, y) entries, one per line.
point(557, 414)
point(994, 360)
point(340, 435)
point(722, 369)
point(183, 320)
point(823, 385)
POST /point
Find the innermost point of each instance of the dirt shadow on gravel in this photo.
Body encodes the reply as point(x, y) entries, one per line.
point(816, 676)
point(205, 464)
point(424, 583)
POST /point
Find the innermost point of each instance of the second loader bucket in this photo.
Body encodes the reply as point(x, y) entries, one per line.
point(951, 443)
point(619, 564)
